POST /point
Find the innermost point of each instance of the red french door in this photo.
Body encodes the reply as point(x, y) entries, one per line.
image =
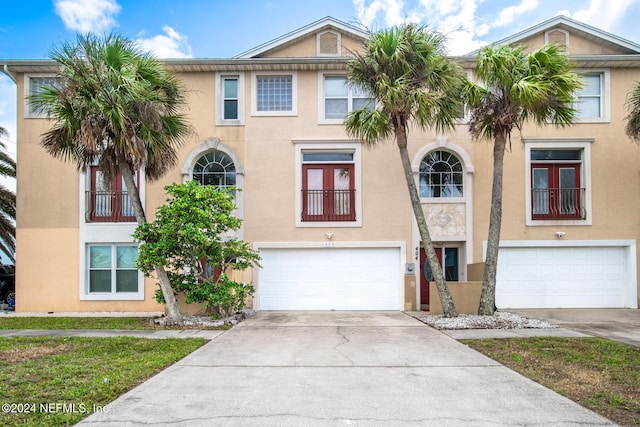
point(328, 192)
point(109, 201)
point(555, 191)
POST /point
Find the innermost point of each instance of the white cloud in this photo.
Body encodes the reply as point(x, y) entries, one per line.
point(172, 44)
point(509, 14)
point(603, 13)
point(455, 18)
point(87, 16)
point(391, 10)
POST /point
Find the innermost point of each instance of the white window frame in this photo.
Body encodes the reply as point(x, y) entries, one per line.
point(579, 144)
point(254, 94)
point(28, 111)
point(605, 97)
point(305, 146)
point(103, 233)
point(219, 106)
point(442, 199)
point(321, 99)
point(86, 295)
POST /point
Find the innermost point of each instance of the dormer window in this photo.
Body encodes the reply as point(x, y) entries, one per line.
point(329, 43)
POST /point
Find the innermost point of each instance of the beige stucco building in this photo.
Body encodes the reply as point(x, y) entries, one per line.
point(330, 217)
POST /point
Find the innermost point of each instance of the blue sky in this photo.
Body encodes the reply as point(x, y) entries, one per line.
point(224, 28)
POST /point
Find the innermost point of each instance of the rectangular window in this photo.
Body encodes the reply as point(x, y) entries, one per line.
point(590, 97)
point(340, 98)
point(112, 269)
point(555, 185)
point(230, 98)
point(274, 93)
point(108, 201)
point(328, 187)
point(36, 85)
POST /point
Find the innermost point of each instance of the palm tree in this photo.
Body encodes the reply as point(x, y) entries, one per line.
point(7, 203)
point(413, 82)
point(633, 119)
point(516, 86)
point(119, 108)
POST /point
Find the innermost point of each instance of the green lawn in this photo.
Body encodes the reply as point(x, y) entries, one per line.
point(61, 380)
point(599, 374)
point(75, 323)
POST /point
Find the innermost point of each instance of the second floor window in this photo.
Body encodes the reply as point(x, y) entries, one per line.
point(36, 86)
point(556, 191)
point(441, 175)
point(230, 99)
point(328, 187)
point(215, 168)
point(274, 93)
point(590, 97)
point(340, 99)
point(108, 201)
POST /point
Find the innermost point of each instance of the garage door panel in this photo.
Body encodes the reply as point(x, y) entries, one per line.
point(329, 279)
point(562, 277)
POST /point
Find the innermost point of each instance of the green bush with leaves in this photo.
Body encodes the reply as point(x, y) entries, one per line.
point(193, 236)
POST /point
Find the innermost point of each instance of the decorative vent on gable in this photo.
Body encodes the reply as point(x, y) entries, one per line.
point(559, 37)
point(328, 43)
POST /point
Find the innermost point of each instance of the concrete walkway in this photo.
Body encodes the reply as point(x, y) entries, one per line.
point(620, 324)
point(339, 368)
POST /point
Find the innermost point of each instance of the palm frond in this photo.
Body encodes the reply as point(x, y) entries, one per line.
point(633, 118)
point(114, 102)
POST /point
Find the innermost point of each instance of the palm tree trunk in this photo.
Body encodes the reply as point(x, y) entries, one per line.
point(448, 307)
point(173, 311)
point(488, 296)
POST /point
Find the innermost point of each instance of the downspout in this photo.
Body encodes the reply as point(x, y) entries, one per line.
point(5, 69)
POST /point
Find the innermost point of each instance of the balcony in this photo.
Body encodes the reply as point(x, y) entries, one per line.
point(558, 203)
point(109, 206)
point(328, 205)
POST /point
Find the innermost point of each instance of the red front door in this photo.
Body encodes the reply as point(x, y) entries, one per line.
point(426, 276)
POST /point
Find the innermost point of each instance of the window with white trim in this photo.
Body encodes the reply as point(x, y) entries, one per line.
point(556, 191)
point(441, 175)
point(328, 183)
point(592, 102)
point(558, 181)
point(34, 86)
point(230, 99)
point(274, 94)
point(328, 186)
point(112, 269)
point(215, 168)
point(339, 99)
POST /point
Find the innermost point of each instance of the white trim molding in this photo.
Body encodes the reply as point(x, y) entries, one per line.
point(582, 144)
point(351, 146)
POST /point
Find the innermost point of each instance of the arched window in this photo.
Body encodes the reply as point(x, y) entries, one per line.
point(441, 175)
point(215, 168)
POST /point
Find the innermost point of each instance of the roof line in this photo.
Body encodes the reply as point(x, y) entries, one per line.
point(300, 32)
point(561, 19)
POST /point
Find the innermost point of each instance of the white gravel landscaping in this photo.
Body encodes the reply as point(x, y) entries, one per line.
point(500, 320)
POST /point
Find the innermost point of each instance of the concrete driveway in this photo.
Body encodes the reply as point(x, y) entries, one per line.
point(339, 368)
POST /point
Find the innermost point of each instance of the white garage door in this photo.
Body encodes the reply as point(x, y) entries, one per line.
point(329, 279)
point(563, 277)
